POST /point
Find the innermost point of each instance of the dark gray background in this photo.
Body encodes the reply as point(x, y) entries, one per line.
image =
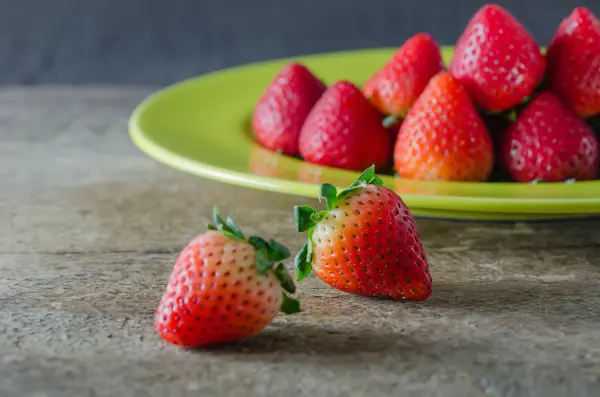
point(159, 41)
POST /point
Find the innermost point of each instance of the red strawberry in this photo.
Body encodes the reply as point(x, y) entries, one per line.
point(497, 60)
point(574, 62)
point(549, 141)
point(224, 288)
point(282, 109)
point(345, 131)
point(443, 137)
point(399, 83)
point(366, 242)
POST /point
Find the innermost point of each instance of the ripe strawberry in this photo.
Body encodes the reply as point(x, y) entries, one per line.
point(573, 59)
point(549, 141)
point(224, 287)
point(283, 107)
point(366, 242)
point(345, 131)
point(399, 83)
point(497, 60)
point(443, 136)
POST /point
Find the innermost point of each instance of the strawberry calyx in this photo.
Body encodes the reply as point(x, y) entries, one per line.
point(306, 218)
point(269, 257)
point(390, 120)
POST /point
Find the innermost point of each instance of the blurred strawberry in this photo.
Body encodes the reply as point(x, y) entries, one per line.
point(574, 62)
point(548, 141)
point(443, 136)
point(284, 106)
point(497, 60)
point(399, 83)
point(345, 131)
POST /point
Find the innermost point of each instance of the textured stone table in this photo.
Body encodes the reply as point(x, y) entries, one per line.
point(89, 229)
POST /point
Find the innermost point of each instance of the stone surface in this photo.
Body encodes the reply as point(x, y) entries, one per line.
point(90, 228)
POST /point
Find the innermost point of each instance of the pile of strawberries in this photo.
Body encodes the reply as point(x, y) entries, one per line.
point(501, 107)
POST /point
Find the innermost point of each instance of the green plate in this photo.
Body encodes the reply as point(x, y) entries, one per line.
point(202, 126)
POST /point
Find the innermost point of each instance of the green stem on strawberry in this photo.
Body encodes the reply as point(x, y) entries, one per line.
point(268, 257)
point(290, 305)
point(389, 121)
point(306, 218)
point(509, 114)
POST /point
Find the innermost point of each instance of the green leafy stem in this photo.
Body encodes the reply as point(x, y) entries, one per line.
point(269, 255)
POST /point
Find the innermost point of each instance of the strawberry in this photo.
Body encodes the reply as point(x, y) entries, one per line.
point(443, 137)
point(283, 107)
point(395, 87)
point(224, 288)
point(573, 59)
point(497, 60)
point(366, 242)
point(344, 131)
point(548, 141)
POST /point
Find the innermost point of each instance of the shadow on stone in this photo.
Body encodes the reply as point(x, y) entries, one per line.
point(528, 296)
point(335, 344)
point(314, 340)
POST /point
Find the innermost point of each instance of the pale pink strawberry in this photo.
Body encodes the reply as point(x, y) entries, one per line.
point(224, 288)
